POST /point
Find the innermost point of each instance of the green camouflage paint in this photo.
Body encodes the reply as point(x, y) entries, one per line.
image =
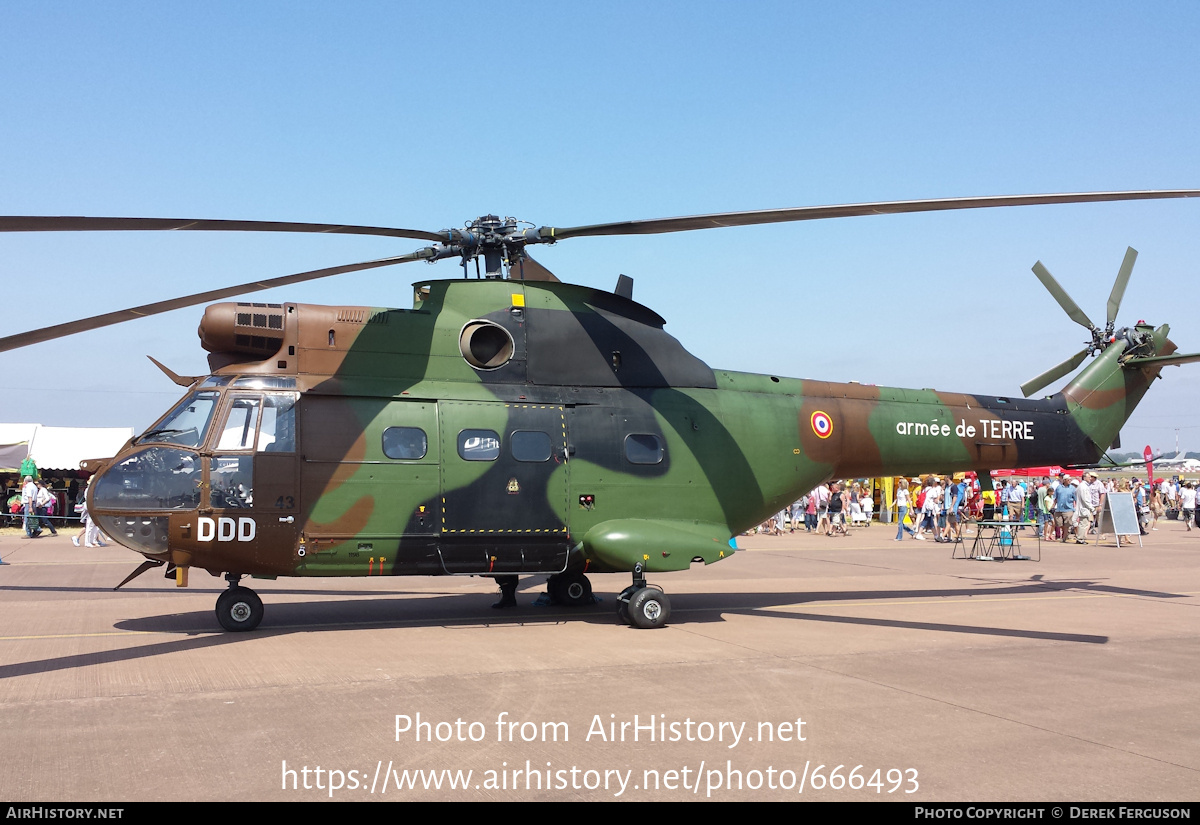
point(735, 447)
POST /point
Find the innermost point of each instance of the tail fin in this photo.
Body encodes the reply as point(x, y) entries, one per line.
point(1102, 397)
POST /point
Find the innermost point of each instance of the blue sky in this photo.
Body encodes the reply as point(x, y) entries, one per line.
point(428, 115)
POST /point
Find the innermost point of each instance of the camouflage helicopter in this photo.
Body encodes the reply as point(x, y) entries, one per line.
point(510, 424)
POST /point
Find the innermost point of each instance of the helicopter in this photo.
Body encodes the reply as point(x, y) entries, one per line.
point(512, 424)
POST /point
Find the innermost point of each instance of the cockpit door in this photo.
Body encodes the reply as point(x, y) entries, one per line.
point(249, 503)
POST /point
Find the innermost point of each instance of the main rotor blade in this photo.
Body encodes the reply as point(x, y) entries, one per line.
point(1118, 290)
point(1060, 295)
point(27, 223)
point(36, 336)
point(1054, 373)
point(810, 213)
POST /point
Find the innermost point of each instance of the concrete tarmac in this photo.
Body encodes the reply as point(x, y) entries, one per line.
point(807, 667)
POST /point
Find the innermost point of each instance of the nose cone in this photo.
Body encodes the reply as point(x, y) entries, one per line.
point(133, 497)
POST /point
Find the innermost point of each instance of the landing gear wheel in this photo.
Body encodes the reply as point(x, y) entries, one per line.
point(571, 589)
point(239, 609)
point(649, 607)
point(623, 603)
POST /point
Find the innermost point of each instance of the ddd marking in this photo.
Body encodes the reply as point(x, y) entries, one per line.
point(226, 529)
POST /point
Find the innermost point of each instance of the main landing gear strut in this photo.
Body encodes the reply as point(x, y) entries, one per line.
point(571, 589)
point(643, 605)
point(238, 608)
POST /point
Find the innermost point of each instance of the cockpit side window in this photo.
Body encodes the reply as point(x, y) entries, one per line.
point(278, 431)
point(231, 481)
point(231, 477)
point(241, 424)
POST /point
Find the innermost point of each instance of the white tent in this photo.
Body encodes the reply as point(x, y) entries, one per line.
point(14, 445)
point(57, 448)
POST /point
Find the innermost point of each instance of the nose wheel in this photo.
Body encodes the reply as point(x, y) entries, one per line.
point(643, 605)
point(239, 609)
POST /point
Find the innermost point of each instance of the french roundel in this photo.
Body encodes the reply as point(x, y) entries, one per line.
point(822, 424)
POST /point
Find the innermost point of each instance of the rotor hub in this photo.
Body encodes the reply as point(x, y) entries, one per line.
point(498, 240)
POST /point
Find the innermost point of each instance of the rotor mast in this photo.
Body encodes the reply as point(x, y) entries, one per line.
point(497, 240)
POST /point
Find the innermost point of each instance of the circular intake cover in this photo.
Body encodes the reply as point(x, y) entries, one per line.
point(485, 345)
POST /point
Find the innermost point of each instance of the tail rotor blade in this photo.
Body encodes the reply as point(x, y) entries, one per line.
point(1054, 373)
point(1064, 300)
point(1118, 290)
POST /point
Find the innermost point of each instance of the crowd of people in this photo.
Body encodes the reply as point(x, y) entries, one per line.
point(830, 508)
point(1060, 508)
point(939, 507)
point(37, 505)
point(1068, 508)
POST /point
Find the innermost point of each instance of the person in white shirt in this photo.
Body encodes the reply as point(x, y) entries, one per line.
point(44, 499)
point(1187, 504)
point(1016, 502)
point(932, 508)
point(822, 493)
point(1084, 512)
point(902, 505)
point(29, 492)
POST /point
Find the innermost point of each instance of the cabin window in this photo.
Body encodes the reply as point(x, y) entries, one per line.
point(530, 445)
point(643, 449)
point(405, 443)
point(479, 445)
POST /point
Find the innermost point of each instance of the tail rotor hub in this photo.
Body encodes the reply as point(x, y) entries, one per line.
point(1101, 337)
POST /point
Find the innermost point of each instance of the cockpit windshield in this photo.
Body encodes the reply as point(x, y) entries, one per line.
point(187, 424)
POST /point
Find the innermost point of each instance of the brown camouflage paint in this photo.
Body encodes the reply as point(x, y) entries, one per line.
point(323, 349)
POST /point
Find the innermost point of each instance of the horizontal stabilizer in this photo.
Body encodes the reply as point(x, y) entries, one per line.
point(1163, 360)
